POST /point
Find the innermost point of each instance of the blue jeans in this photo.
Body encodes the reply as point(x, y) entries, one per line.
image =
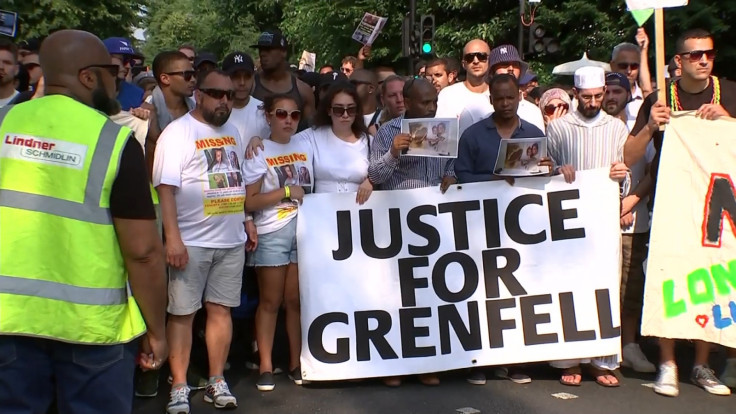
point(84, 379)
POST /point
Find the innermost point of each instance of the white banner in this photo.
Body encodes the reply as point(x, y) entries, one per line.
point(654, 4)
point(691, 271)
point(417, 281)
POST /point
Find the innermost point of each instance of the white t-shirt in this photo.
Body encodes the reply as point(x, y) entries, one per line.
point(638, 172)
point(5, 101)
point(279, 165)
point(454, 98)
point(204, 163)
point(480, 109)
point(250, 121)
point(367, 118)
point(339, 166)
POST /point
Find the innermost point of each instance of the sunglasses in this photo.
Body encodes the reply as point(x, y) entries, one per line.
point(112, 69)
point(697, 55)
point(470, 57)
point(283, 114)
point(342, 110)
point(219, 93)
point(186, 74)
point(624, 66)
point(550, 109)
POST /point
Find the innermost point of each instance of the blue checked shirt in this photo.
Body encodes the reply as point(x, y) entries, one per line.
point(405, 172)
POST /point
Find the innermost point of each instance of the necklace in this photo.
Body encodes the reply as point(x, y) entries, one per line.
point(675, 104)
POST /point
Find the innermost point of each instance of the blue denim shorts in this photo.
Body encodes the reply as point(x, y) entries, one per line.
point(277, 248)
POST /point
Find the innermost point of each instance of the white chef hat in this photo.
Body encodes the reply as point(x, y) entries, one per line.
point(590, 77)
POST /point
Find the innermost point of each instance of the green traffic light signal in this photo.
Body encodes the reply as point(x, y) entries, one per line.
point(426, 48)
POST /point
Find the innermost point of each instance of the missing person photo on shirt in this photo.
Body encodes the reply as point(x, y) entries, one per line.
point(295, 174)
point(218, 160)
point(520, 157)
point(431, 137)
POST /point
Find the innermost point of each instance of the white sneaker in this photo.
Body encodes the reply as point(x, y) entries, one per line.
point(219, 394)
point(729, 373)
point(667, 382)
point(635, 359)
point(178, 400)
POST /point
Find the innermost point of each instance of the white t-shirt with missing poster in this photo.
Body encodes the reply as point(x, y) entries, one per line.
point(279, 165)
point(204, 163)
point(339, 166)
point(250, 121)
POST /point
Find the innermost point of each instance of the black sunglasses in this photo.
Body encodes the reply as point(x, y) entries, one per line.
point(111, 68)
point(186, 74)
point(470, 57)
point(342, 110)
point(624, 66)
point(697, 55)
point(283, 114)
point(219, 93)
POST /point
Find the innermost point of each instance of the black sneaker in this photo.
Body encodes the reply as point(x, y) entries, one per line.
point(146, 383)
point(296, 375)
point(265, 382)
point(476, 377)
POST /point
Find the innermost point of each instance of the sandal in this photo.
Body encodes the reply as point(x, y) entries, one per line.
point(573, 372)
point(604, 377)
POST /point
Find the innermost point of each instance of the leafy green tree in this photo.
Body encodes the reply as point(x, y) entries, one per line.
point(105, 18)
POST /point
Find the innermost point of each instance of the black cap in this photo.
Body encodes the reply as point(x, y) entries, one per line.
point(617, 79)
point(31, 45)
point(271, 39)
point(238, 61)
point(327, 79)
point(507, 53)
point(205, 57)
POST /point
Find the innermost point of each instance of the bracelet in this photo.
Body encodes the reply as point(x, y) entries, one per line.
point(248, 217)
point(287, 192)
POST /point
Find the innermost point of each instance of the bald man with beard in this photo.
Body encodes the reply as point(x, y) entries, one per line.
point(71, 331)
point(453, 99)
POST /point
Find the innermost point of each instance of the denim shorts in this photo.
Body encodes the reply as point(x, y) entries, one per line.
point(277, 248)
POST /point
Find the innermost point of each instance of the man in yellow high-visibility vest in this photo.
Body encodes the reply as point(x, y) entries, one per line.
point(82, 279)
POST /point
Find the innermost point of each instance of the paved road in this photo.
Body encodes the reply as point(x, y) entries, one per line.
point(497, 396)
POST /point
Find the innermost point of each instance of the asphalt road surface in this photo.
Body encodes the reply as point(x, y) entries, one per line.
point(455, 394)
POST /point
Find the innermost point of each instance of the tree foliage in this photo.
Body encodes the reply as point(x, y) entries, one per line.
point(105, 18)
point(208, 25)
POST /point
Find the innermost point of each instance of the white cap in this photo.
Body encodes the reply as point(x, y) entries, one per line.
point(590, 77)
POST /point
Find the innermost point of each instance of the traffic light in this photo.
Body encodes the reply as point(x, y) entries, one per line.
point(410, 46)
point(427, 25)
point(539, 42)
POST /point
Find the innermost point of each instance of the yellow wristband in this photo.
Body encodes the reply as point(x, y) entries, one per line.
point(287, 192)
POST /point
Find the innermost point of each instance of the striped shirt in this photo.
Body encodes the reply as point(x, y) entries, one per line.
point(405, 172)
point(586, 143)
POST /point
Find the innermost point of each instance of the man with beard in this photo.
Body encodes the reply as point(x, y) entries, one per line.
point(8, 70)
point(453, 99)
point(711, 98)
point(203, 227)
point(584, 139)
point(441, 73)
point(246, 116)
point(634, 229)
point(129, 95)
point(82, 349)
point(275, 77)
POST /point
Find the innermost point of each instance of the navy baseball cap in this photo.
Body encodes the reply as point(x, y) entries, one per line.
point(205, 57)
point(120, 46)
point(238, 61)
point(617, 79)
point(507, 53)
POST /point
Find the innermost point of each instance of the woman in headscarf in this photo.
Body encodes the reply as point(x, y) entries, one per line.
point(554, 104)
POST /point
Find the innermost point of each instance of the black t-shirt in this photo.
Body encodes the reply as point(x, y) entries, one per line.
point(130, 197)
point(689, 102)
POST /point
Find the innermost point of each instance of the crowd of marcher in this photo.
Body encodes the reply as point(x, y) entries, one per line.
point(225, 150)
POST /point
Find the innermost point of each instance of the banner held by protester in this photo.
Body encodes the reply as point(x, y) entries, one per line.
point(691, 272)
point(418, 281)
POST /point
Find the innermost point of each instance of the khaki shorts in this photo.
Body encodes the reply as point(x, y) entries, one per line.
point(212, 275)
point(634, 249)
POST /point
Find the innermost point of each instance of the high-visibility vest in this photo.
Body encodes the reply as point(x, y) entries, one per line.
point(62, 274)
